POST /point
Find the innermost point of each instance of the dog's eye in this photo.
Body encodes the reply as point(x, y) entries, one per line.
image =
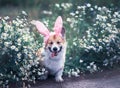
point(51, 43)
point(58, 42)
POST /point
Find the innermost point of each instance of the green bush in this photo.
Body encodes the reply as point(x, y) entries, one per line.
point(17, 57)
point(95, 39)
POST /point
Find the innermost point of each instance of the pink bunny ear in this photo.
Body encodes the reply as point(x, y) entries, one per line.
point(41, 27)
point(58, 25)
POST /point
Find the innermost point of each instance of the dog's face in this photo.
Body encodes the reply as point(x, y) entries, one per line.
point(55, 44)
point(54, 41)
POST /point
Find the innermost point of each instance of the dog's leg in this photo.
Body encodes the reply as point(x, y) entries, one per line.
point(58, 76)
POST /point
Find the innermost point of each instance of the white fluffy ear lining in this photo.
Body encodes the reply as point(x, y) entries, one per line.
point(58, 25)
point(41, 27)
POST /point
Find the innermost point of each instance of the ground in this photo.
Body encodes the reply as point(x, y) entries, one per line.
point(105, 79)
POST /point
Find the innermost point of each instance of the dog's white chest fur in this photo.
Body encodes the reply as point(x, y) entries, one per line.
point(54, 63)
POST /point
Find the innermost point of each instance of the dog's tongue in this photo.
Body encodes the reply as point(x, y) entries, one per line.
point(54, 54)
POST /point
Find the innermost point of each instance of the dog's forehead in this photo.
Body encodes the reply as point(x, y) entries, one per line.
point(55, 38)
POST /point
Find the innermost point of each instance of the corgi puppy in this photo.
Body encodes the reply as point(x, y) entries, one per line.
point(54, 50)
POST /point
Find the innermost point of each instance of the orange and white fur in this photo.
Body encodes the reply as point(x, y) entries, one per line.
point(54, 50)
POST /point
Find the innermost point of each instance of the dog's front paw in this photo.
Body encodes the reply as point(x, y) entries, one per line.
point(59, 79)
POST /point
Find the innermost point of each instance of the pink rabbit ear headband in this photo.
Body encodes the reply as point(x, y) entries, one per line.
point(45, 32)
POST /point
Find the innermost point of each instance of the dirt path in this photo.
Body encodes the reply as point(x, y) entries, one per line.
point(107, 79)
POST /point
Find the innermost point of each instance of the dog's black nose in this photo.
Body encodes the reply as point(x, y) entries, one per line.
point(55, 49)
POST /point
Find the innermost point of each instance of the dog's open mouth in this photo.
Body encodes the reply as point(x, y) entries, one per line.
point(54, 54)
